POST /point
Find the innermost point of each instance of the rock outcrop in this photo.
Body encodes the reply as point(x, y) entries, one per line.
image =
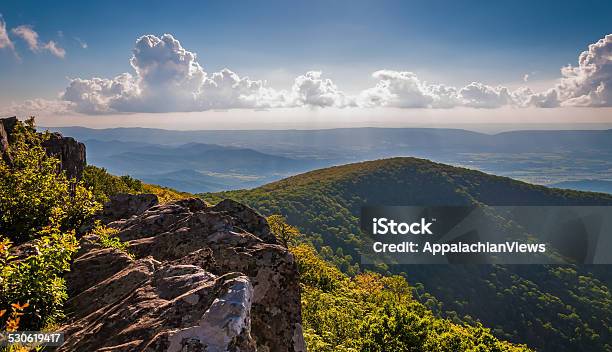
point(125, 205)
point(6, 128)
point(197, 278)
point(70, 152)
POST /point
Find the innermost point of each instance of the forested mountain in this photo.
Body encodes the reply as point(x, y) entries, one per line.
point(553, 308)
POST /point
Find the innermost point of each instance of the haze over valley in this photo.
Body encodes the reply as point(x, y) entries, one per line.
point(208, 161)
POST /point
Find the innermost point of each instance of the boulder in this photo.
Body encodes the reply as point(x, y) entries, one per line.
point(197, 278)
point(124, 205)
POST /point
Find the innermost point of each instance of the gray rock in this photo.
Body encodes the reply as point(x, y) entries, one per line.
point(199, 281)
point(124, 205)
point(6, 128)
point(70, 153)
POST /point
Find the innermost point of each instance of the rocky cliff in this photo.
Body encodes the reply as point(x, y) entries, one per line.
point(70, 152)
point(198, 278)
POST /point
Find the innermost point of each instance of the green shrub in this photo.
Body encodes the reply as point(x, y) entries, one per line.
point(41, 206)
point(108, 238)
point(36, 280)
point(33, 191)
point(105, 185)
point(376, 313)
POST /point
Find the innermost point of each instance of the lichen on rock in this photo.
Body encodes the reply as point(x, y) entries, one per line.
point(202, 279)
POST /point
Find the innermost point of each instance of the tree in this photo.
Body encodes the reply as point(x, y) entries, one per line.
point(284, 232)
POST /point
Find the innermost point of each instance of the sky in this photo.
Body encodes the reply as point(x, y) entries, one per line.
point(306, 64)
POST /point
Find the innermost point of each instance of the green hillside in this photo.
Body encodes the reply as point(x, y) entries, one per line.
point(554, 308)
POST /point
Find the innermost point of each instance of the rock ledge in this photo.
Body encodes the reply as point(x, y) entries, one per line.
point(200, 278)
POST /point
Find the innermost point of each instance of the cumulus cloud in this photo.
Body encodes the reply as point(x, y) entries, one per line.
point(589, 83)
point(547, 99)
point(226, 90)
point(406, 90)
point(478, 95)
point(397, 89)
point(30, 36)
point(311, 89)
point(167, 77)
point(101, 95)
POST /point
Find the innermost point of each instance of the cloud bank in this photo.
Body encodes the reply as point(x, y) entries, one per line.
point(169, 78)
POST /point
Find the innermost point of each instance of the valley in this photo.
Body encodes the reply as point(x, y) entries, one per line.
point(209, 161)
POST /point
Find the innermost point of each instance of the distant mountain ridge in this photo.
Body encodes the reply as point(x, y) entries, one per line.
point(603, 186)
point(363, 137)
point(194, 167)
point(540, 157)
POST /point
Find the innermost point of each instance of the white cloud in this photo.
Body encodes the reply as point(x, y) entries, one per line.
point(34, 107)
point(547, 99)
point(168, 78)
point(406, 90)
point(397, 89)
point(478, 95)
point(54, 49)
point(311, 89)
point(589, 83)
point(101, 95)
point(30, 36)
point(5, 41)
point(227, 90)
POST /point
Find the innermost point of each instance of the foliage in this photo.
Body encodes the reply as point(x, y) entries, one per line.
point(371, 312)
point(40, 206)
point(165, 194)
point(552, 308)
point(104, 185)
point(36, 279)
point(40, 211)
point(284, 232)
point(32, 191)
point(314, 271)
point(108, 238)
point(12, 323)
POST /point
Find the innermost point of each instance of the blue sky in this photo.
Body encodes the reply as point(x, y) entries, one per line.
point(449, 42)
